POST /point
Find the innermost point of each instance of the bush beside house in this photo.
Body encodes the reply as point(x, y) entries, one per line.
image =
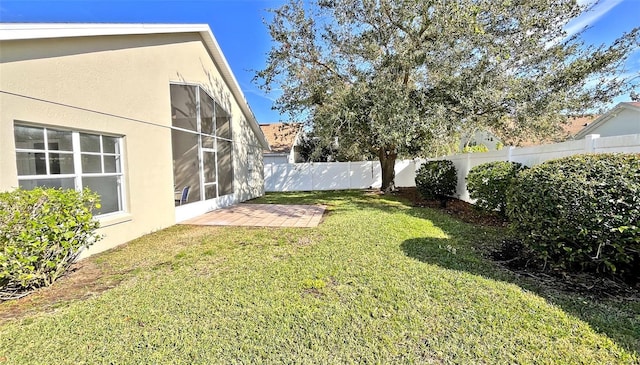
point(42, 231)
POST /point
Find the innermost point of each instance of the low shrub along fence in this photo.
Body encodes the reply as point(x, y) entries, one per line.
point(488, 183)
point(41, 233)
point(437, 180)
point(580, 213)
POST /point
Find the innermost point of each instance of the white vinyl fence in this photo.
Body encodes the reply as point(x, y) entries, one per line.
point(534, 155)
point(333, 175)
point(365, 174)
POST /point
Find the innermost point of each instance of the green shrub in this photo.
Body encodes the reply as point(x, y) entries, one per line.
point(488, 183)
point(437, 180)
point(41, 234)
point(581, 213)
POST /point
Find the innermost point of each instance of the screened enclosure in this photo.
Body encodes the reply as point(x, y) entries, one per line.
point(201, 144)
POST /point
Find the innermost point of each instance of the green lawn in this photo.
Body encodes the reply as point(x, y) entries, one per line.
point(377, 282)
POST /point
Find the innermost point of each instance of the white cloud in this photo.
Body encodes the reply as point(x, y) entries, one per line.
point(591, 16)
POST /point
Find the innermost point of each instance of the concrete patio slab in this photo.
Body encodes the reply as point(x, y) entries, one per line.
point(262, 215)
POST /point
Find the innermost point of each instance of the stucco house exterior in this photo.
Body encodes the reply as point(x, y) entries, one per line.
point(140, 113)
point(284, 139)
point(623, 119)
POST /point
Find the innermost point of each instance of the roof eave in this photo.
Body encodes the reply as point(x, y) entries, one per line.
point(19, 31)
point(219, 58)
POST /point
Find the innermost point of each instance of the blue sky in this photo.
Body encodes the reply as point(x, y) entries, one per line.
point(244, 39)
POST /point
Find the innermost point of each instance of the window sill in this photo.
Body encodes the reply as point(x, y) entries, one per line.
point(113, 219)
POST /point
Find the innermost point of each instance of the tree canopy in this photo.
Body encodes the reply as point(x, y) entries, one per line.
point(389, 77)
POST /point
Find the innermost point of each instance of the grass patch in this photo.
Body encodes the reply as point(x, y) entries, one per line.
point(378, 281)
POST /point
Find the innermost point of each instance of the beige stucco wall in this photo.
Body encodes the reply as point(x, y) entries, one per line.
point(119, 85)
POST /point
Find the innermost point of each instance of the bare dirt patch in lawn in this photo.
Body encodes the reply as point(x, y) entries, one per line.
point(92, 276)
point(84, 280)
point(457, 208)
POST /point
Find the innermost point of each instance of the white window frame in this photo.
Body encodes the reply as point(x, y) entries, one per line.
point(77, 161)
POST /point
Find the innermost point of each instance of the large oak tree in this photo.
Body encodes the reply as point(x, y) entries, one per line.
point(389, 77)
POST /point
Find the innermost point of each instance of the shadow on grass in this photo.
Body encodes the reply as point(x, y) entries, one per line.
point(337, 200)
point(616, 319)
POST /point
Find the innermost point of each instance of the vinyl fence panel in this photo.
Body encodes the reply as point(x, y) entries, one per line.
point(534, 155)
point(367, 174)
point(325, 176)
point(288, 177)
point(330, 175)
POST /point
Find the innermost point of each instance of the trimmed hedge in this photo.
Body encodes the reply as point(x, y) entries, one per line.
point(581, 213)
point(488, 183)
point(41, 234)
point(437, 180)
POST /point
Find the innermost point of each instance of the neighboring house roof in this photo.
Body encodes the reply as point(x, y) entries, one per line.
point(17, 31)
point(573, 126)
point(576, 124)
point(633, 106)
point(281, 136)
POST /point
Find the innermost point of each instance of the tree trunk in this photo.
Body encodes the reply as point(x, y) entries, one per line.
point(387, 156)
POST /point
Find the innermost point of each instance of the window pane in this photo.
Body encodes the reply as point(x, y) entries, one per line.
point(183, 107)
point(89, 143)
point(209, 167)
point(210, 191)
point(186, 170)
point(60, 163)
point(208, 142)
point(58, 157)
point(107, 188)
point(110, 145)
point(64, 183)
point(206, 113)
point(223, 127)
point(111, 164)
point(225, 167)
point(59, 140)
point(91, 164)
point(30, 163)
point(29, 137)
